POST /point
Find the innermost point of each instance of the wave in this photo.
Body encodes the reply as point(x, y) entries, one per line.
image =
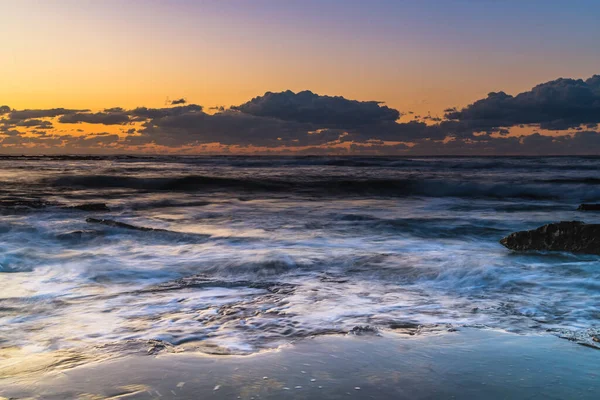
point(585, 181)
point(540, 164)
point(332, 186)
point(424, 227)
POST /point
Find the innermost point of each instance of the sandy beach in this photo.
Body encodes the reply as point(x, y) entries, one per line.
point(469, 364)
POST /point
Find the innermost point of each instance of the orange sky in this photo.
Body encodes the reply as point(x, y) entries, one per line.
point(99, 54)
point(414, 56)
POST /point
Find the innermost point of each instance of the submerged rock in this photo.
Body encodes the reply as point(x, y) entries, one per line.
point(407, 327)
point(90, 207)
point(36, 204)
point(571, 236)
point(363, 330)
point(24, 203)
point(589, 207)
point(80, 235)
point(117, 224)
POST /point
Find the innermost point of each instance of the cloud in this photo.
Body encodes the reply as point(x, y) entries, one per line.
point(120, 116)
point(555, 105)
point(228, 128)
point(35, 123)
point(378, 149)
point(579, 143)
point(43, 113)
point(397, 132)
point(104, 118)
point(59, 144)
point(310, 123)
point(326, 111)
point(178, 101)
point(142, 113)
point(4, 110)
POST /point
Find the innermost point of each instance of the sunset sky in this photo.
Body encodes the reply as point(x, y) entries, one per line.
point(418, 57)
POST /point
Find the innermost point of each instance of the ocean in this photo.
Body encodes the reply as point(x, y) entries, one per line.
point(244, 254)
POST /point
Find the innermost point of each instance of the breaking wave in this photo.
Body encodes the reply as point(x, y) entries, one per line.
point(332, 187)
point(237, 254)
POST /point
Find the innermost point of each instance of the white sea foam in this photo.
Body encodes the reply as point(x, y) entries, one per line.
point(241, 269)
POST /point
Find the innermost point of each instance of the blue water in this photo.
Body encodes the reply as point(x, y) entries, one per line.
point(261, 251)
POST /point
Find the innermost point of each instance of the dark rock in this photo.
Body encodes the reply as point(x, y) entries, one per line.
point(363, 330)
point(90, 207)
point(24, 203)
point(571, 236)
point(404, 325)
point(117, 224)
point(157, 346)
point(589, 207)
point(81, 234)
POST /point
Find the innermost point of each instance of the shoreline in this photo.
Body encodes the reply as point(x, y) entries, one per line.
point(469, 363)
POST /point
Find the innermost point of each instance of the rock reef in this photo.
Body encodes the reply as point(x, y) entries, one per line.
point(117, 224)
point(589, 207)
point(570, 236)
point(90, 207)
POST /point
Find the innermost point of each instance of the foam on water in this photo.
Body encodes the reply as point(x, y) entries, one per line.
point(245, 266)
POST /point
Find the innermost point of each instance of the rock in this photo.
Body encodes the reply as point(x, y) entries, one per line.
point(24, 203)
point(363, 330)
point(80, 235)
point(405, 327)
point(571, 236)
point(589, 207)
point(90, 207)
point(157, 346)
point(117, 224)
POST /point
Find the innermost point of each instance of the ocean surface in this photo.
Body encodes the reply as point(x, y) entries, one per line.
point(248, 253)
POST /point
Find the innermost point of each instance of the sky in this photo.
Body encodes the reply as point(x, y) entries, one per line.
point(420, 58)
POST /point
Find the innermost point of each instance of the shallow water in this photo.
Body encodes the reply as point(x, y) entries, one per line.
point(260, 251)
point(470, 364)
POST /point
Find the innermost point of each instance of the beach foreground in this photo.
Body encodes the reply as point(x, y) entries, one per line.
point(469, 363)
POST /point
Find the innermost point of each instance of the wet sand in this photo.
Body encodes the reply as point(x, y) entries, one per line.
point(471, 364)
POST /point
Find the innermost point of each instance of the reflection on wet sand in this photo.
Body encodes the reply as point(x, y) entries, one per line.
point(465, 364)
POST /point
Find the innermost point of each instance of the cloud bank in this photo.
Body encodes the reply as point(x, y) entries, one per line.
point(555, 105)
point(561, 117)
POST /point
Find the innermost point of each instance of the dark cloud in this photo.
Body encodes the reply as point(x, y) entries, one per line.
point(142, 113)
point(178, 101)
point(397, 132)
point(580, 143)
point(46, 113)
point(120, 116)
point(104, 118)
point(311, 124)
point(47, 143)
point(326, 111)
point(92, 140)
point(555, 105)
point(378, 149)
point(4, 110)
point(35, 123)
point(229, 128)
